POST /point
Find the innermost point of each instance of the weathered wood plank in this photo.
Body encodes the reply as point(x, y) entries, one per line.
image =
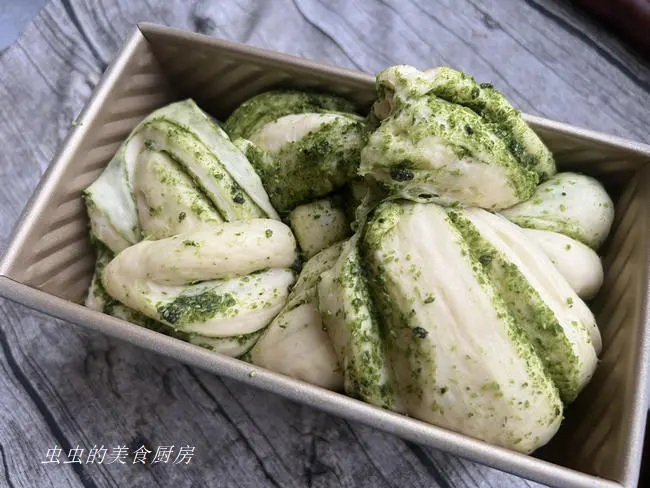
point(64, 387)
point(543, 67)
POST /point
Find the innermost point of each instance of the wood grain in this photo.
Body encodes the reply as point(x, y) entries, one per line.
point(62, 386)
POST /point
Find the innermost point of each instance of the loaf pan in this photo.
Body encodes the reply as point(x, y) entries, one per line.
point(49, 262)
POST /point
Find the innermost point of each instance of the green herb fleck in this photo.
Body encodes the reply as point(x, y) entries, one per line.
point(402, 174)
point(196, 308)
point(420, 333)
point(485, 259)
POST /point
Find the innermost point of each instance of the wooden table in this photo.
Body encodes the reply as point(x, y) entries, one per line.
point(61, 387)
